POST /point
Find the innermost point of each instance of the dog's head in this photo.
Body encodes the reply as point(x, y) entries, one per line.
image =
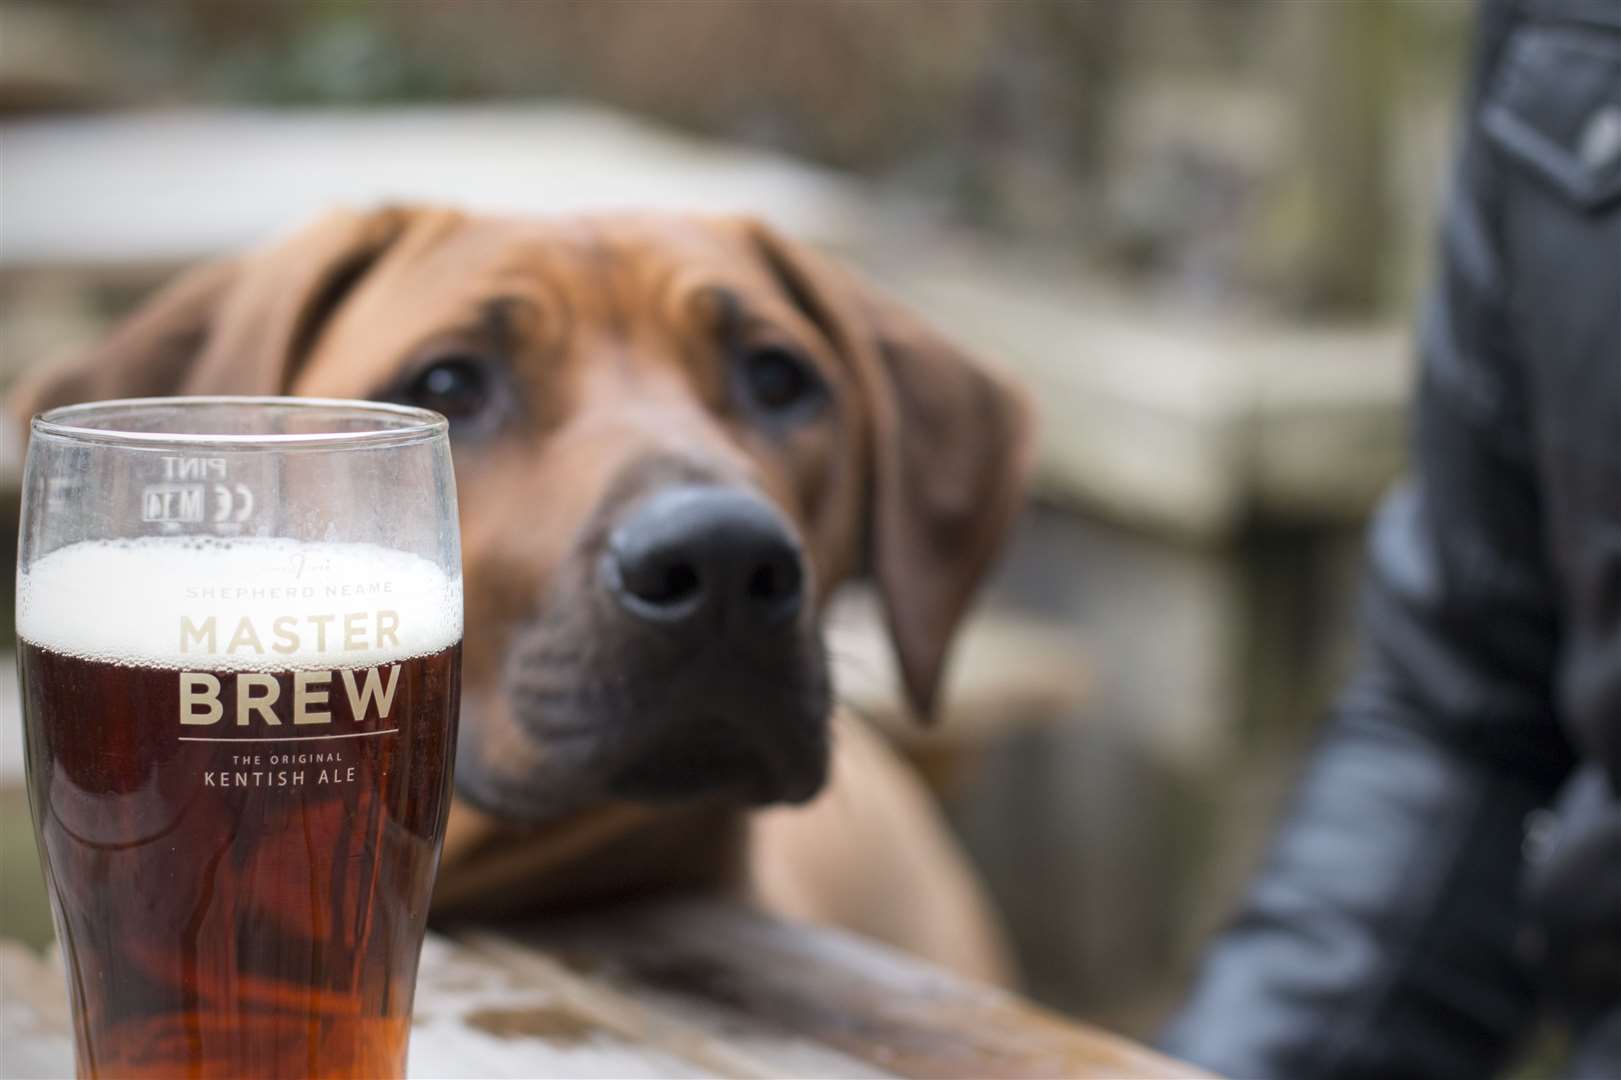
point(673, 436)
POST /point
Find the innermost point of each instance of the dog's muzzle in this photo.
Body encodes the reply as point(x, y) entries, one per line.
point(716, 577)
point(674, 657)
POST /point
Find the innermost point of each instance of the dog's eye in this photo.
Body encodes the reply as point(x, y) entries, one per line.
point(777, 381)
point(458, 386)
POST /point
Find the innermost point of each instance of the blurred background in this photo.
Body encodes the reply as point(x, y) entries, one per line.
point(1194, 227)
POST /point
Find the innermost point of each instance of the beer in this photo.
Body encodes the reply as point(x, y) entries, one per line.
point(238, 760)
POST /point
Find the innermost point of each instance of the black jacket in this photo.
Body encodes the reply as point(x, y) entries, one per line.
point(1453, 857)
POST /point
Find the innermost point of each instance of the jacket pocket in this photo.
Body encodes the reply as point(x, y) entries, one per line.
point(1554, 107)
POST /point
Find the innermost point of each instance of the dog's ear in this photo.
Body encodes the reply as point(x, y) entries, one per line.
point(950, 448)
point(236, 326)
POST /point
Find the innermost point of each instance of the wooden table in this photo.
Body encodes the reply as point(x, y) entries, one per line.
point(677, 989)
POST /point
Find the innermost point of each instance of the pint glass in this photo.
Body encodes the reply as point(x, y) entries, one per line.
point(239, 625)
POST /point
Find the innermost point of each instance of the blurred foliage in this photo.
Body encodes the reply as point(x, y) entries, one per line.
point(1218, 148)
point(24, 913)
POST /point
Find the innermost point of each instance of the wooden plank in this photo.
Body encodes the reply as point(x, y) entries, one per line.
point(35, 1034)
point(723, 968)
point(724, 1046)
point(123, 188)
point(477, 1019)
point(1189, 424)
point(473, 1019)
point(675, 989)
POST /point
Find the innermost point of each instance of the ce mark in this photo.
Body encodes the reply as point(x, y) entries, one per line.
point(232, 503)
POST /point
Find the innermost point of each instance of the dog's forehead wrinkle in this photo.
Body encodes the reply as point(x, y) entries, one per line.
point(506, 318)
point(607, 268)
point(722, 303)
point(651, 471)
point(430, 231)
point(618, 421)
point(634, 267)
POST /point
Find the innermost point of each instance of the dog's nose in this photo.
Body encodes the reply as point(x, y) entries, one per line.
point(687, 554)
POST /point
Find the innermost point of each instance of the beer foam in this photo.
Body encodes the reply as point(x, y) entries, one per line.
point(238, 604)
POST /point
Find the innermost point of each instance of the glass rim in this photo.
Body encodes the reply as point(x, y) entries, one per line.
point(410, 423)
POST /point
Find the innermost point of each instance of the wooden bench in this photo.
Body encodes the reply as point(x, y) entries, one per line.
point(675, 989)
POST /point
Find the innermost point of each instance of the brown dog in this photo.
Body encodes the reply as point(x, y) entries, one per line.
point(673, 437)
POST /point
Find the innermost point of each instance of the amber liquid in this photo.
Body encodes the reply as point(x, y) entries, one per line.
point(221, 916)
